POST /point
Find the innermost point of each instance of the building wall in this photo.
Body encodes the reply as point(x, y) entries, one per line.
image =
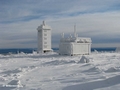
point(40, 45)
point(81, 48)
point(64, 48)
point(44, 40)
point(74, 48)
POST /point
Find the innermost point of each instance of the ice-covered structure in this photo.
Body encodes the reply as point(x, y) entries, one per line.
point(84, 60)
point(69, 46)
point(44, 38)
point(75, 45)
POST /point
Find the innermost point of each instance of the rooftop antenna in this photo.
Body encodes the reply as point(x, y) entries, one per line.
point(62, 35)
point(44, 23)
point(75, 31)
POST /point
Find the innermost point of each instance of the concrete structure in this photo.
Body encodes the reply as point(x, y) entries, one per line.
point(44, 38)
point(75, 45)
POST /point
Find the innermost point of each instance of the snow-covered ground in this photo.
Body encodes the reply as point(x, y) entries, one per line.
point(100, 71)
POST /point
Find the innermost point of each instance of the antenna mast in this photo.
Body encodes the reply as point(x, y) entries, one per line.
point(75, 31)
point(44, 23)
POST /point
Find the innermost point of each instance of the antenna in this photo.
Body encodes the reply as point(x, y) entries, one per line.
point(75, 30)
point(43, 22)
point(62, 35)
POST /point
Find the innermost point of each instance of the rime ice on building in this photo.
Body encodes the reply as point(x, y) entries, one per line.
point(44, 38)
point(75, 45)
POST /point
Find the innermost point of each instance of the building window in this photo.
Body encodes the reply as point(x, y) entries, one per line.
point(45, 34)
point(45, 30)
point(45, 42)
point(45, 38)
point(45, 46)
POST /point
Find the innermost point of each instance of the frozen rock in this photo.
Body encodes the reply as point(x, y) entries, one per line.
point(84, 60)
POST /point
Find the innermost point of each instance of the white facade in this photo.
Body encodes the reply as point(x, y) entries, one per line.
point(44, 38)
point(75, 45)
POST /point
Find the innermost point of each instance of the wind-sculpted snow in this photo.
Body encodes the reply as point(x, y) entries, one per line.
point(50, 71)
point(96, 84)
point(58, 62)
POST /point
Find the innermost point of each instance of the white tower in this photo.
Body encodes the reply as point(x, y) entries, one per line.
point(44, 38)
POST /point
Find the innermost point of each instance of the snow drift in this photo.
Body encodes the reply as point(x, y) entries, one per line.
point(98, 71)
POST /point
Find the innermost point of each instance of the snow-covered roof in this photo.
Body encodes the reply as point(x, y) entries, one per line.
point(43, 26)
point(77, 40)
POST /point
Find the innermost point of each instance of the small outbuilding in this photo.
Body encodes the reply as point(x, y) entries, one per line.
point(75, 45)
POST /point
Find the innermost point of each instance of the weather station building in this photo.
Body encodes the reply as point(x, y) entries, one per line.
point(68, 46)
point(44, 38)
point(75, 45)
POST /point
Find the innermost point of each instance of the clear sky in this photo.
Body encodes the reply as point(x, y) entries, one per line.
point(98, 19)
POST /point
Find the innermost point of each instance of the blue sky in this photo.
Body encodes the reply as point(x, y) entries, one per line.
point(98, 19)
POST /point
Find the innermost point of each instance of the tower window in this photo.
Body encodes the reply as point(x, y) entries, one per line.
point(45, 34)
point(45, 46)
point(45, 38)
point(45, 42)
point(45, 30)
